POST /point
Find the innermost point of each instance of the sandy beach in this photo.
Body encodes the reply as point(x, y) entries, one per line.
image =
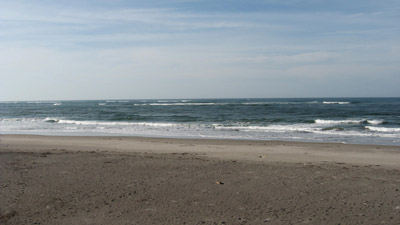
point(134, 180)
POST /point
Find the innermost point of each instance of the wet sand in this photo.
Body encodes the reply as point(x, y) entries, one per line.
point(133, 180)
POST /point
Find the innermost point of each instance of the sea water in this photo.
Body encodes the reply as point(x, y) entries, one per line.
point(343, 120)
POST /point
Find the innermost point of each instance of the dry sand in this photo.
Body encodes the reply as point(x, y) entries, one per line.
point(132, 180)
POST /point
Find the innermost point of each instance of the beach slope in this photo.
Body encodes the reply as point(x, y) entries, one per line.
point(133, 180)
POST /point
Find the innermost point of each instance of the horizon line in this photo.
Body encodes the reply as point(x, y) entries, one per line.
point(213, 98)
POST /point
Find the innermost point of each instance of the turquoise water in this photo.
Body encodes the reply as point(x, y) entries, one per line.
point(347, 120)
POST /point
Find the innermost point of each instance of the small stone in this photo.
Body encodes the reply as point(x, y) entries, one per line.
point(219, 182)
point(267, 220)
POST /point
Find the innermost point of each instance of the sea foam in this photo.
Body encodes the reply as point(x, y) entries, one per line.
point(383, 129)
point(109, 123)
point(350, 121)
point(181, 104)
point(339, 103)
point(320, 121)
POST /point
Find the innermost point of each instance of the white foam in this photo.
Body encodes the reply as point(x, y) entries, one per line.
point(57, 104)
point(277, 103)
point(157, 124)
point(41, 102)
point(340, 103)
point(270, 128)
point(165, 101)
point(375, 122)
point(383, 129)
point(187, 102)
point(10, 120)
point(343, 133)
point(293, 128)
point(71, 128)
point(103, 103)
point(183, 104)
point(270, 103)
point(319, 121)
point(353, 121)
point(255, 103)
point(52, 120)
point(109, 123)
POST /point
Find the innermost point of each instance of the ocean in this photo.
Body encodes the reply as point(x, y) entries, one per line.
point(339, 120)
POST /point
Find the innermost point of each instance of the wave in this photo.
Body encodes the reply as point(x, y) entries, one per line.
point(20, 120)
point(39, 102)
point(328, 130)
point(256, 103)
point(57, 103)
point(186, 103)
point(35, 102)
point(276, 103)
point(166, 101)
point(9, 102)
point(383, 129)
point(51, 120)
point(108, 123)
point(339, 103)
point(333, 129)
point(269, 128)
point(308, 128)
point(103, 103)
point(180, 104)
point(375, 122)
point(354, 121)
point(320, 121)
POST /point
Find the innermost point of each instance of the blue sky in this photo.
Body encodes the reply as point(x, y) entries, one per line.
point(110, 49)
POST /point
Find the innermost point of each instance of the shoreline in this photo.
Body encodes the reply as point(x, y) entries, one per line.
point(194, 138)
point(250, 150)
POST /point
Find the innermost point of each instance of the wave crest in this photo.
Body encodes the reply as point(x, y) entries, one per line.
point(339, 103)
point(353, 121)
point(383, 129)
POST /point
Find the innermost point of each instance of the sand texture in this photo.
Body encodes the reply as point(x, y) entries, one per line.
point(126, 180)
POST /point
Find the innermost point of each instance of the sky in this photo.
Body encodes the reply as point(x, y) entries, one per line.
point(117, 49)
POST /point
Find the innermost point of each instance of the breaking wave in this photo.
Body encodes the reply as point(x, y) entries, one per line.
point(352, 121)
point(339, 103)
point(383, 129)
point(108, 123)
